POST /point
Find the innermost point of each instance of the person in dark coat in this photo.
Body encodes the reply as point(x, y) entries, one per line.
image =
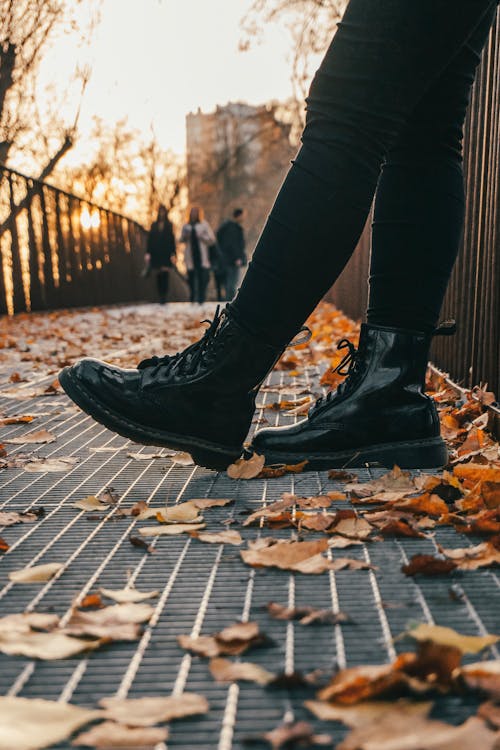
point(161, 253)
point(231, 242)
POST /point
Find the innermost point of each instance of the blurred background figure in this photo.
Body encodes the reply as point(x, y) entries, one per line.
point(198, 237)
point(160, 254)
point(231, 241)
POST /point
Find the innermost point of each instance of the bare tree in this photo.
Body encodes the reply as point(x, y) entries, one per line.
point(312, 24)
point(27, 27)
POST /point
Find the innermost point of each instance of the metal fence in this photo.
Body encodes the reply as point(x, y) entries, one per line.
point(57, 250)
point(473, 297)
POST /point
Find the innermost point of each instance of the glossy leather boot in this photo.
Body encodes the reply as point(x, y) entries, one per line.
point(378, 415)
point(201, 400)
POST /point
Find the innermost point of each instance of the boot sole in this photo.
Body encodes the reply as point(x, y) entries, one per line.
point(430, 453)
point(204, 453)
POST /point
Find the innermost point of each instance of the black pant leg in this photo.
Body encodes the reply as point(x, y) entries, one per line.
point(383, 59)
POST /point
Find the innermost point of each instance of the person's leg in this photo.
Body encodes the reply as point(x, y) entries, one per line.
point(203, 279)
point(192, 285)
point(232, 281)
point(384, 58)
point(162, 285)
point(419, 204)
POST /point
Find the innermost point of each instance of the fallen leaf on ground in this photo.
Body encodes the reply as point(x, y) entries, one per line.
point(183, 512)
point(368, 712)
point(50, 464)
point(108, 496)
point(46, 646)
point(490, 711)
point(118, 621)
point(479, 556)
point(302, 557)
point(110, 734)
point(306, 615)
point(33, 723)
point(206, 502)
point(145, 456)
point(27, 621)
point(9, 518)
point(170, 529)
point(183, 459)
point(232, 641)
point(219, 537)
point(395, 480)
point(426, 504)
point(129, 595)
point(91, 600)
point(341, 542)
point(35, 574)
point(349, 524)
point(393, 732)
point(428, 565)
point(3, 545)
point(339, 475)
point(19, 419)
point(474, 473)
point(279, 470)
point(317, 501)
point(41, 436)
point(246, 469)
point(357, 684)
point(136, 541)
point(483, 675)
point(223, 670)
point(90, 503)
point(274, 508)
point(145, 712)
point(300, 734)
point(466, 644)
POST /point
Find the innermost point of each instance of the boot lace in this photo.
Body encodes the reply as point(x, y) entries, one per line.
point(186, 362)
point(348, 366)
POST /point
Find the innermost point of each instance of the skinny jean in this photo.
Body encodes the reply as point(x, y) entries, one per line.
point(385, 116)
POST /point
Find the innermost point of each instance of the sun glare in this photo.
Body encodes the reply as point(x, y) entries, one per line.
point(89, 220)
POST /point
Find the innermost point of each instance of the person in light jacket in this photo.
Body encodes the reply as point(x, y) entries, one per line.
point(197, 236)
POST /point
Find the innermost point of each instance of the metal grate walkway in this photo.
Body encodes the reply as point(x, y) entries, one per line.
point(205, 587)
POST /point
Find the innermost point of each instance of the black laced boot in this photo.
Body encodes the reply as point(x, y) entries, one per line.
point(379, 414)
point(201, 400)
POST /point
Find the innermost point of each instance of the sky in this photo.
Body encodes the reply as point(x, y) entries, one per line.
point(153, 61)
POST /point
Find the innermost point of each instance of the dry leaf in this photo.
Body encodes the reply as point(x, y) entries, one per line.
point(368, 681)
point(46, 646)
point(306, 615)
point(3, 545)
point(279, 470)
point(300, 734)
point(36, 573)
point(483, 675)
point(170, 529)
point(9, 518)
point(368, 712)
point(219, 537)
point(145, 456)
point(181, 513)
point(50, 464)
point(206, 502)
point(223, 670)
point(341, 542)
point(285, 555)
point(33, 723)
point(472, 558)
point(117, 622)
point(41, 436)
point(232, 641)
point(466, 644)
point(273, 509)
point(490, 711)
point(339, 475)
point(90, 503)
point(27, 621)
point(129, 595)
point(246, 469)
point(145, 712)
point(18, 419)
point(428, 565)
point(136, 541)
point(109, 734)
point(91, 600)
point(183, 459)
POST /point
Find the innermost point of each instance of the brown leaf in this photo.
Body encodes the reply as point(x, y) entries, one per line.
point(472, 558)
point(220, 537)
point(36, 573)
point(246, 469)
point(272, 509)
point(232, 641)
point(340, 475)
point(119, 622)
point(91, 600)
point(180, 513)
point(279, 470)
point(368, 712)
point(300, 556)
point(183, 459)
point(3, 545)
point(223, 670)
point(428, 565)
point(205, 502)
point(145, 456)
point(9, 518)
point(300, 734)
point(18, 419)
point(427, 504)
point(110, 734)
point(361, 683)
point(90, 503)
point(136, 541)
point(317, 521)
point(57, 464)
point(47, 646)
point(170, 529)
point(128, 595)
point(145, 712)
point(483, 675)
point(474, 473)
point(41, 436)
point(306, 615)
point(33, 723)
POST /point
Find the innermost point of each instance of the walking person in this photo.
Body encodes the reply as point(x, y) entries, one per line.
point(385, 118)
point(198, 236)
point(231, 241)
point(160, 251)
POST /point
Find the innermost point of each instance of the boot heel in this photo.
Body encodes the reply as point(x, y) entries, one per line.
point(216, 460)
point(417, 454)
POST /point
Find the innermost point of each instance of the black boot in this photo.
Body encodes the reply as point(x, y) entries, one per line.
point(379, 414)
point(201, 400)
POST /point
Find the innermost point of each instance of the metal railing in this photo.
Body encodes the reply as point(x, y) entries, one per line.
point(57, 250)
point(473, 297)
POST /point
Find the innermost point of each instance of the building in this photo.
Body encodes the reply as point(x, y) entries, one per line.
point(237, 156)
